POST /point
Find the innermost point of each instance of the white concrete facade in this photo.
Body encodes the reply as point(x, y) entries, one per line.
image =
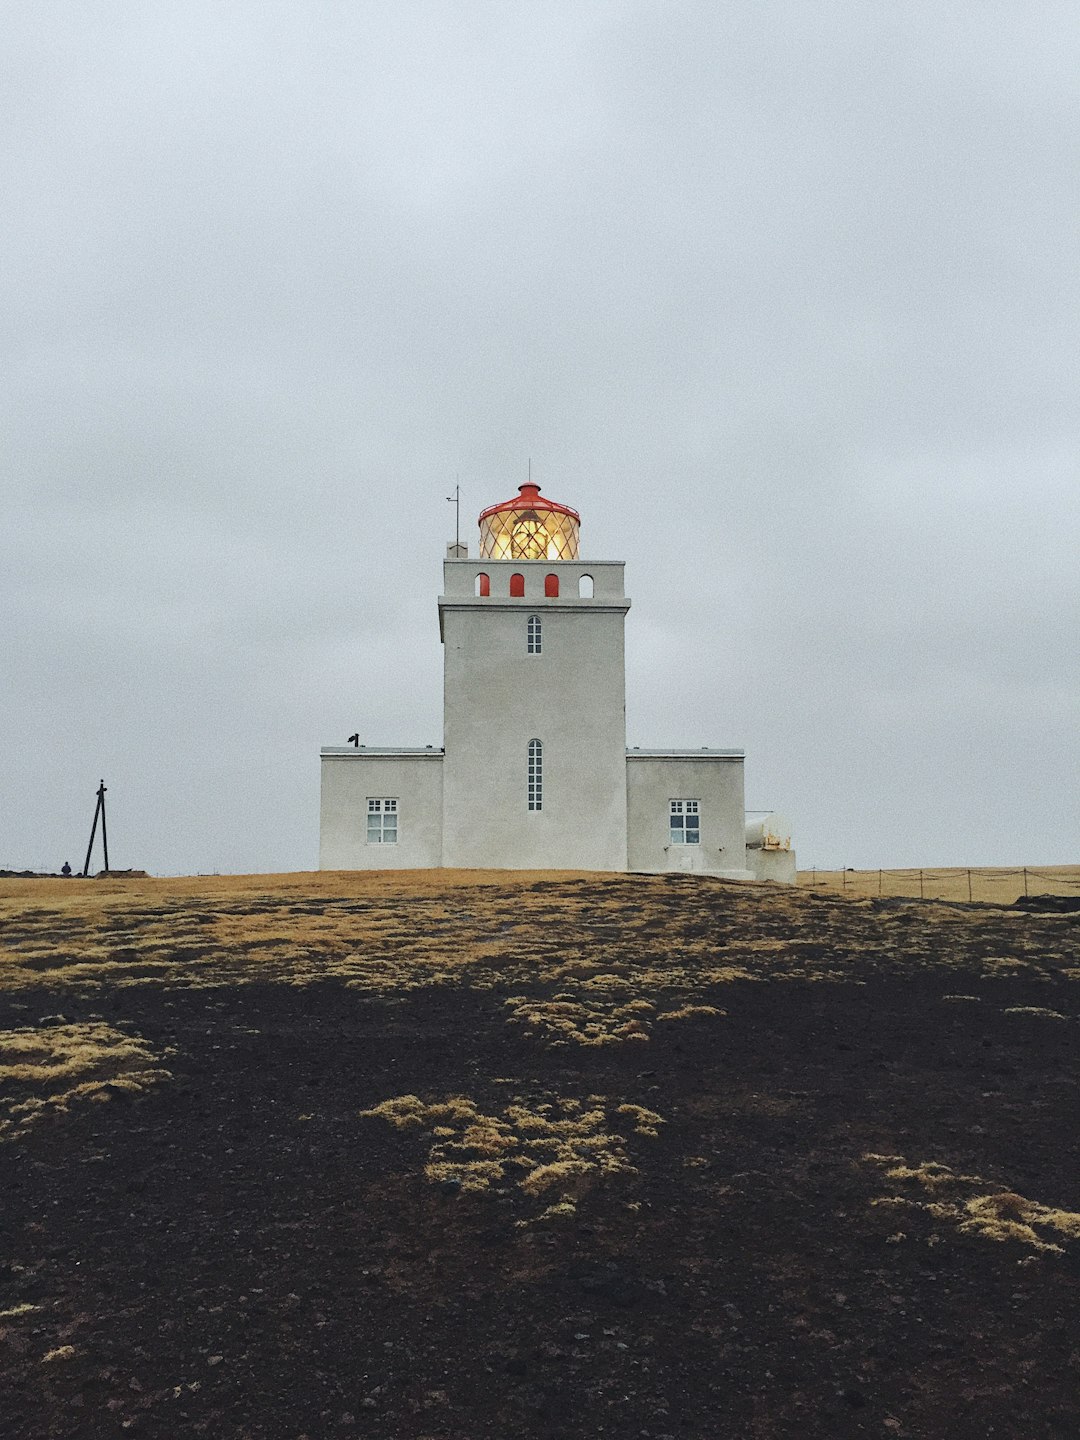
point(534, 668)
point(349, 778)
point(712, 778)
point(533, 772)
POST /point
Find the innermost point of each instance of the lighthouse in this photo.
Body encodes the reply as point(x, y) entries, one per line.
point(534, 771)
point(534, 696)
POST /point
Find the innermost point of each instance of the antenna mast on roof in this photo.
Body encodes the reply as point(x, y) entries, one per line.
point(455, 500)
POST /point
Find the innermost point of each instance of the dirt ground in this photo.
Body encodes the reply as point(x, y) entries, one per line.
point(459, 1157)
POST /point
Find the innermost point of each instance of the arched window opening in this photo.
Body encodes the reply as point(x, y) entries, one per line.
point(517, 586)
point(533, 633)
point(551, 587)
point(536, 775)
point(483, 584)
point(585, 587)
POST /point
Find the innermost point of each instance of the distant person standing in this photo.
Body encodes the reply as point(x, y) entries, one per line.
point(65, 870)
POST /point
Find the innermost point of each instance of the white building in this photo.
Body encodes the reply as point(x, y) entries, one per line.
point(534, 772)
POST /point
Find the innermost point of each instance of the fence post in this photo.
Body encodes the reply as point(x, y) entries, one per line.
point(921, 896)
point(879, 880)
point(969, 887)
point(843, 879)
point(1025, 882)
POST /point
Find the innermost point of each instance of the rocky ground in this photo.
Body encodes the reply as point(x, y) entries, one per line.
point(460, 1157)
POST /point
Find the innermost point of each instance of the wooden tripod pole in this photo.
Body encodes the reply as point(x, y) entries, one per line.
point(104, 836)
point(99, 809)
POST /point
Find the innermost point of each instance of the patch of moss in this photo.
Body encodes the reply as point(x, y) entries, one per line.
point(992, 1213)
point(555, 1150)
point(46, 1069)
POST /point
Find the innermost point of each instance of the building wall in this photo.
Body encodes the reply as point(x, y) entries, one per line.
point(776, 865)
point(716, 782)
point(459, 579)
point(349, 778)
point(497, 697)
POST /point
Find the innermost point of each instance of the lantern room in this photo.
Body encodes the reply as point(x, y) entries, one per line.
point(529, 527)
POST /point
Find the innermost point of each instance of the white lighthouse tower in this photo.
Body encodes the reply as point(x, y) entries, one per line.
point(534, 772)
point(534, 696)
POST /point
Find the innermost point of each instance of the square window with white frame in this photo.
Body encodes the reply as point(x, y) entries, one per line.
point(382, 822)
point(684, 822)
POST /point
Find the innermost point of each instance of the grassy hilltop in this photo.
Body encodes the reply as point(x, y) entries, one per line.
point(462, 1155)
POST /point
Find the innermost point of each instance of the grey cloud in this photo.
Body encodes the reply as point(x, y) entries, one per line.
point(782, 297)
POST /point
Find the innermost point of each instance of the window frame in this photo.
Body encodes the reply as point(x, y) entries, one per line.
point(534, 636)
point(688, 814)
point(381, 808)
point(535, 776)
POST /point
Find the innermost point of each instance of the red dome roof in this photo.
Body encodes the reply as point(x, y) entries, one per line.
point(530, 499)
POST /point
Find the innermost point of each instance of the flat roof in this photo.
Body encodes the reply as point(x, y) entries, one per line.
point(637, 752)
point(642, 752)
point(430, 752)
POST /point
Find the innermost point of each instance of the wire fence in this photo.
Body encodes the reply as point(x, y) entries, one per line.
point(991, 885)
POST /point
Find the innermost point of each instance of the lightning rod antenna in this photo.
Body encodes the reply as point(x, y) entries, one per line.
point(455, 500)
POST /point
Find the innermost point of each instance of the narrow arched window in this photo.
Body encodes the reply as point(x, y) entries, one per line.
point(585, 587)
point(533, 634)
point(483, 584)
point(536, 775)
point(517, 586)
point(551, 587)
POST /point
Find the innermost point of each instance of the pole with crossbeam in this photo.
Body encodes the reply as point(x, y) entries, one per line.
point(99, 809)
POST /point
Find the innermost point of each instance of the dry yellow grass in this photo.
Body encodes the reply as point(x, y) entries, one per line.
point(587, 960)
point(992, 1213)
point(684, 1012)
point(993, 886)
point(383, 933)
point(555, 1152)
point(44, 1070)
point(62, 1352)
point(1037, 1010)
point(565, 1019)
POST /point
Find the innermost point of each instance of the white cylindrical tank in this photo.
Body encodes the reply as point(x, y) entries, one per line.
point(768, 832)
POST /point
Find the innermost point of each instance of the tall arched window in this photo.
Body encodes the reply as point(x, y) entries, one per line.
point(536, 775)
point(517, 586)
point(585, 587)
point(551, 587)
point(483, 584)
point(533, 633)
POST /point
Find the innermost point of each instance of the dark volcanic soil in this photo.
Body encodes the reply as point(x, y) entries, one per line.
point(239, 1253)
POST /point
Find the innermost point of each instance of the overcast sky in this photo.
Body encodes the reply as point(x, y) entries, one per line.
point(782, 297)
